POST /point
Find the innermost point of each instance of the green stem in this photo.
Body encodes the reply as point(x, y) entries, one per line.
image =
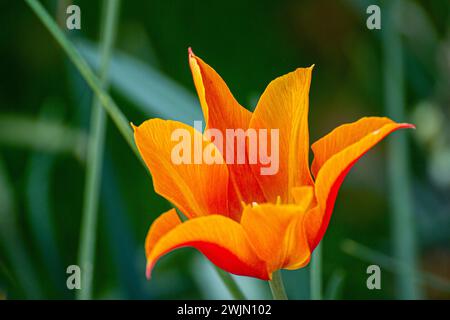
point(105, 99)
point(401, 201)
point(231, 285)
point(95, 155)
point(316, 274)
point(277, 286)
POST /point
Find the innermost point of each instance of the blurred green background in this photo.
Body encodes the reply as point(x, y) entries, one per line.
point(44, 126)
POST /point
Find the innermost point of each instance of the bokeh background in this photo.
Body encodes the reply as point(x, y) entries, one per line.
point(44, 126)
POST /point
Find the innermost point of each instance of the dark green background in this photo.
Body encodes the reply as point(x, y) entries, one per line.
point(249, 43)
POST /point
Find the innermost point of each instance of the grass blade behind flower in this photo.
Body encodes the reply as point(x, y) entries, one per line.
point(106, 101)
point(401, 201)
point(95, 156)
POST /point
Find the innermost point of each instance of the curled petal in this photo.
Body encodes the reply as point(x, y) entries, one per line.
point(160, 227)
point(284, 107)
point(276, 232)
point(222, 240)
point(344, 136)
point(187, 185)
point(334, 156)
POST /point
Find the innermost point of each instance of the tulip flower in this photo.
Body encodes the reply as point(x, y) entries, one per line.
point(244, 222)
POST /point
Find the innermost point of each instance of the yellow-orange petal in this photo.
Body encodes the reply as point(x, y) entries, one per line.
point(196, 189)
point(160, 227)
point(303, 197)
point(284, 106)
point(342, 137)
point(221, 239)
point(163, 224)
point(336, 153)
point(221, 111)
point(276, 232)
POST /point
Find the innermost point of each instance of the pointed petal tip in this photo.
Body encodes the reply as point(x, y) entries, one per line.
point(309, 69)
point(408, 125)
point(133, 126)
point(190, 52)
point(148, 271)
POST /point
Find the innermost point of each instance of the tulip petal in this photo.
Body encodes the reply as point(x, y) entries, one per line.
point(160, 227)
point(303, 197)
point(220, 108)
point(342, 137)
point(222, 240)
point(222, 112)
point(196, 189)
point(284, 106)
point(163, 224)
point(277, 234)
point(335, 154)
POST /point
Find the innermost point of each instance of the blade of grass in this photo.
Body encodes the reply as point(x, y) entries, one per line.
point(92, 80)
point(401, 201)
point(41, 135)
point(95, 155)
point(316, 273)
point(106, 101)
point(128, 261)
point(231, 285)
point(364, 253)
point(38, 198)
point(12, 241)
point(39, 215)
point(334, 286)
point(149, 89)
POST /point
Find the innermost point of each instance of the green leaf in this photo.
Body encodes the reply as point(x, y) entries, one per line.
point(150, 90)
point(41, 134)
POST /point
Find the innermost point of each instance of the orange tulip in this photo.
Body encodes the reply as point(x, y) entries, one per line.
point(244, 222)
